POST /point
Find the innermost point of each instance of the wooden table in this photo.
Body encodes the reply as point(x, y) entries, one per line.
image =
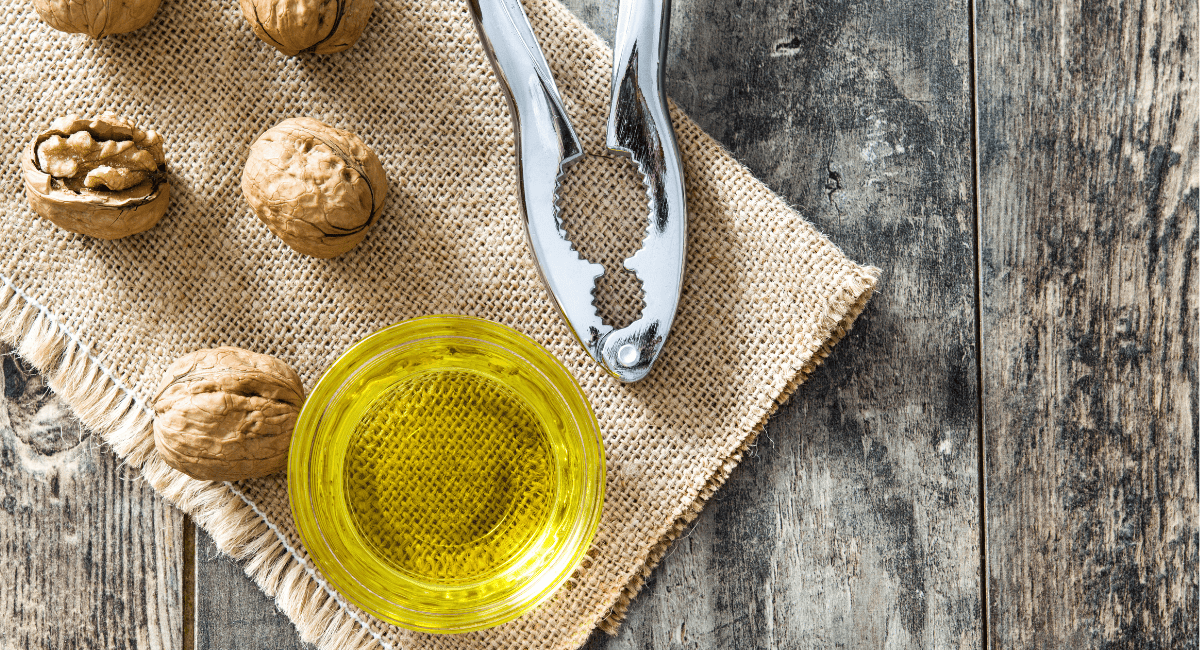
point(1003, 452)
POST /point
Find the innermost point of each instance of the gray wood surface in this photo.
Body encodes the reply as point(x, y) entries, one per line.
point(854, 522)
point(232, 613)
point(90, 557)
point(869, 509)
point(1088, 177)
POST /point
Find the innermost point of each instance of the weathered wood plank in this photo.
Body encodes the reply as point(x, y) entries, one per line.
point(232, 613)
point(854, 521)
point(90, 556)
point(1088, 198)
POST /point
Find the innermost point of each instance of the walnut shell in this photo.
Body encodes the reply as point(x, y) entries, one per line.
point(96, 18)
point(321, 26)
point(102, 177)
point(318, 188)
point(226, 414)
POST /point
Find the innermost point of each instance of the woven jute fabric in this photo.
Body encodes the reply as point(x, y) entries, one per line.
point(765, 294)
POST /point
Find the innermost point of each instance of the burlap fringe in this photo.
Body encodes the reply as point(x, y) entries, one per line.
point(235, 523)
point(846, 304)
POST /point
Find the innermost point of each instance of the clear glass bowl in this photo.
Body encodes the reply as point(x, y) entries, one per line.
point(446, 474)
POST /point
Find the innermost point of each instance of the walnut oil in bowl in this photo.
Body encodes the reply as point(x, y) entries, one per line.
point(446, 474)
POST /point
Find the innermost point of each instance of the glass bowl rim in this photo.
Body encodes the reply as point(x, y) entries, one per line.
point(361, 590)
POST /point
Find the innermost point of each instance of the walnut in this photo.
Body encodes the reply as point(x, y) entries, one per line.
point(226, 414)
point(321, 26)
point(318, 188)
point(96, 18)
point(102, 177)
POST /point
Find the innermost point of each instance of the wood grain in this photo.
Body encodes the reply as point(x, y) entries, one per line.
point(232, 613)
point(1088, 177)
point(90, 556)
point(854, 521)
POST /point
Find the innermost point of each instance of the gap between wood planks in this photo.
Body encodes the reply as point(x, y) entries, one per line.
point(981, 466)
point(189, 583)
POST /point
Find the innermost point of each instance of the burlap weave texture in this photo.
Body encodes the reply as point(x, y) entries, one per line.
point(764, 298)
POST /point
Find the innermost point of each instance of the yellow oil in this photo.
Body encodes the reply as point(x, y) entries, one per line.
point(448, 476)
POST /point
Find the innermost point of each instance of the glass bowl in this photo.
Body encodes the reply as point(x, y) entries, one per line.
point(446, 474)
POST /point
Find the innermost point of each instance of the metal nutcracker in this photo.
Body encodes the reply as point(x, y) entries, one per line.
point(639, 127)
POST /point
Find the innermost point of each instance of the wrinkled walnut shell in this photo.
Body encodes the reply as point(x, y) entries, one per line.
point(320, 26)
point(226, 414)
point(62, 193)
point(96, 18)
point(316, 187)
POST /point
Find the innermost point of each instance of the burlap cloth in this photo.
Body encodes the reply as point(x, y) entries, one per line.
point(765, 295)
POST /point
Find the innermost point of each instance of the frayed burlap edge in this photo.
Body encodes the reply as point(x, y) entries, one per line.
point(239, 528)
point(105, 405)
point(846, 305)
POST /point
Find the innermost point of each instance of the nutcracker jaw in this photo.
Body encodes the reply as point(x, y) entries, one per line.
point(639, 127)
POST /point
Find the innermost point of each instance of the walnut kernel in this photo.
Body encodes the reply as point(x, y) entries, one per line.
point(104, 177)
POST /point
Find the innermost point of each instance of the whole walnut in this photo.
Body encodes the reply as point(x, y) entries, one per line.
point(295, 26)
point(96, 18)
point(226, 414)
point(318, 188)
point(102, 177)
